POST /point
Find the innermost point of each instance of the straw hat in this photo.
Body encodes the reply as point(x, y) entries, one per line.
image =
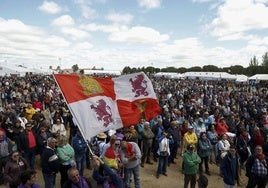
point(102, 136)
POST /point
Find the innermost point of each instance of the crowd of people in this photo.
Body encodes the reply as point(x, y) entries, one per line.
point(204, 122)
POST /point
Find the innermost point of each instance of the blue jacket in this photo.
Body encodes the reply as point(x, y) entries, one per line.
point(204, 148)
point(79, 145)
point(230, 169)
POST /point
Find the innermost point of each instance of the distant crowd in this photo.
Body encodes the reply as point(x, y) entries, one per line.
point(204, 122)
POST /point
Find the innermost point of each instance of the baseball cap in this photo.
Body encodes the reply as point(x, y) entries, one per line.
point(190, 147)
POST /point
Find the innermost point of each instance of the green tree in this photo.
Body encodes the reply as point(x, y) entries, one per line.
point(195, 69)
point(182, 70)
point(75, 68)
point(82, 71)
point(237, 69)
point(126, 70)
point(253, 62)
point(210, 68)
point(265, 60)
point(149, 70)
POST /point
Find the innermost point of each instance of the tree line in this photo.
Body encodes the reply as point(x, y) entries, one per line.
point(254, 68)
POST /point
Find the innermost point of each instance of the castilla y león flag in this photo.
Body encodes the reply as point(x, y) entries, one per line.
point(100, 104)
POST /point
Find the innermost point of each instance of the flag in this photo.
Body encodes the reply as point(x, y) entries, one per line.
point(101, 104)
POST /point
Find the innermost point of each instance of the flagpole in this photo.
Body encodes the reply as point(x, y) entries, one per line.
point(90, 151)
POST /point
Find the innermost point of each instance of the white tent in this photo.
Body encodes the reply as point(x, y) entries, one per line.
point(241, 78)
point(12, 70)
point(102, 72)
point(21, 70)
point(209, 75)
point(171, 75)
point(258, 77)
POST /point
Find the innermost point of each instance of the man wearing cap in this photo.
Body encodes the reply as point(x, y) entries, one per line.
point(190, 165)
point(101, 142)
point(190, 137)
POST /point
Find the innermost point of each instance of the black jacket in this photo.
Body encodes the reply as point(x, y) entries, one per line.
point(50, 161)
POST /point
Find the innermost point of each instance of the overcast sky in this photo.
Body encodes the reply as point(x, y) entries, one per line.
point(116, 33)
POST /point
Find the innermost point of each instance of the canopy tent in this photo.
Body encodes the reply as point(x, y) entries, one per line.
point(258, 77)
point(241, 78)
point(12, 70)
point(209, 75)
point(102, 72)
point(21, 70)
point(171, 75)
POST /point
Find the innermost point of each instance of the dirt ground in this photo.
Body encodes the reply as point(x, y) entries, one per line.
point(148, 179)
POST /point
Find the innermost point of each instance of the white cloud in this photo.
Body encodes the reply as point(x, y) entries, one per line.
point(150, 4)
point(87, 11)
point(50, 7)
point(67, 26)
point(74, 33)
point(102, 28)
point(201, 1)
point(28, 42)
point(240, 16)
point(64, 20)
point(138, 35)
point(120, 18)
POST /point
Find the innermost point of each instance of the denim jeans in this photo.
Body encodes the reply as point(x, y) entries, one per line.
point(49, 180)
point(128, 175)
point(80, 163)
point(162, 164)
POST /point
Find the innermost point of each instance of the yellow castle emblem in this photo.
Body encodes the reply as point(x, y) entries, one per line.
point(90, 85)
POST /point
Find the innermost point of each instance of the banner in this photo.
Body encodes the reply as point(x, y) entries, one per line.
point(100, 104)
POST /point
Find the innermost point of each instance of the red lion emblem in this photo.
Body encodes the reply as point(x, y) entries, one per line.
point(103, 112)
point(139, 85)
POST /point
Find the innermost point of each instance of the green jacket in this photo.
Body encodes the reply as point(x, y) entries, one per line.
point(65, 153)
point(191, 163)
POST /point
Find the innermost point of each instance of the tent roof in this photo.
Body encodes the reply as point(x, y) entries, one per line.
point(169, 75)
point(241, 78)
point(259, 77)
point(211, 75)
